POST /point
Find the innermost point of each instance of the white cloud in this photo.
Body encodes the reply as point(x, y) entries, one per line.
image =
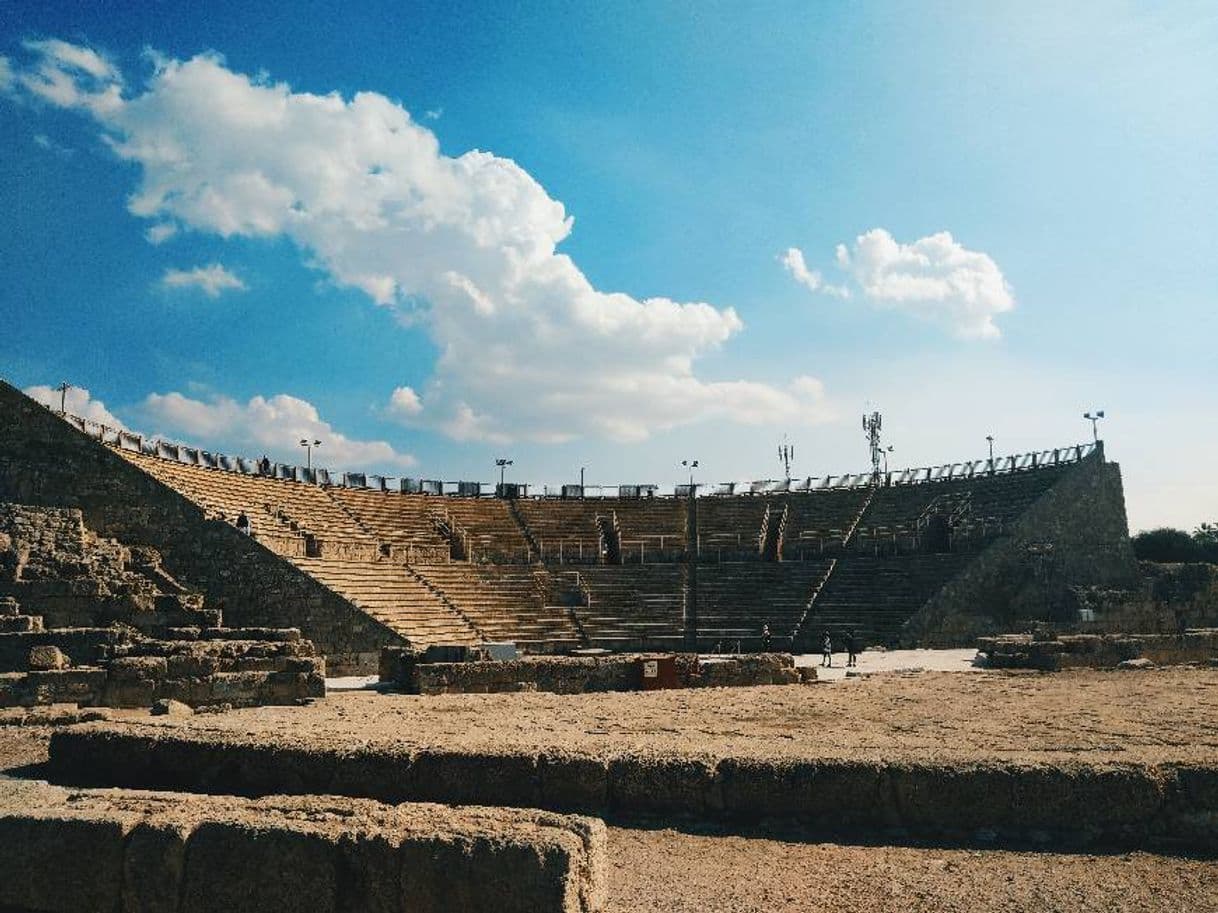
point(466, 247)
point(271, 425)
point(934, 277)
point(793, 261)
point(405, 403)
point(212, 280)
point(160, 232)
point(70, 76)
point(74, 57)
point(433, 113)
point(78, 402)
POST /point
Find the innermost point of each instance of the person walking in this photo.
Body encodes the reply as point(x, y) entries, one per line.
point(826, 651)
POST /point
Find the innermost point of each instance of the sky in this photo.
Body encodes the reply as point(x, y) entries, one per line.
point(619, 236)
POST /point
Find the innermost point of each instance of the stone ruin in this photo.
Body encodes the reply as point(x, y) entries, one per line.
point(1048, 652)
point(90, 621)
point(416, 672)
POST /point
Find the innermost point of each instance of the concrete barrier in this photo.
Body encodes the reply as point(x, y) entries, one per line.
point(67, 851)
point(1072, 803)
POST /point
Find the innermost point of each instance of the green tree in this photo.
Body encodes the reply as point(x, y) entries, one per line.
point(1166, 545)
point(1206, 538)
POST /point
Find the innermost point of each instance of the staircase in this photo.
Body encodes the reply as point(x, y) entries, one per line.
point(534, 547)
point(610, 538)
point(874, 597)
point(775, 524)
point(848, 538)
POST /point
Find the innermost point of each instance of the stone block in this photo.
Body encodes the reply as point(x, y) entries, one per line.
point(47, 657)
point(641, 783)
point(247, 866)
point(58, 863)
point(82, 685)
point(191, 665)
point(138, 668)
point(17, 624)
point(9, 606)
point(65, 851)
point(169, 707)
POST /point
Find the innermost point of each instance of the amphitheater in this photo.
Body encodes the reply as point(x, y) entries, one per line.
point(657, 739)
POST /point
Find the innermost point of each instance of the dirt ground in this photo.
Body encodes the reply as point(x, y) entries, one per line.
point(1149, 716)
point(683, 873)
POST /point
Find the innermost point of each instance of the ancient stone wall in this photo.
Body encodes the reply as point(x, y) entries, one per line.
point(115, 667)
point(44, 461)
point(1098, 651)
point(69, 851)
point(1134, 805)
point(580, 674)
point(1075, 534)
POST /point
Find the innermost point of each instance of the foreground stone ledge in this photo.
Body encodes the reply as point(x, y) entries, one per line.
point(101, 850)
point(1169, 806)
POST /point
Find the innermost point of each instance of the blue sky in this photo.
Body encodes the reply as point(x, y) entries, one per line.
point(212, 232)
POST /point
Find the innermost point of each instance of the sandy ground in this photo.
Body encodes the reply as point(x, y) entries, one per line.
point(682, 873)
point(1151, 716)
point(880, 661)
point(668, 870)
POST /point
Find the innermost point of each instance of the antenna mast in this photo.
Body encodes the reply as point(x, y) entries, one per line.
point(871, 429)
point(786, 453)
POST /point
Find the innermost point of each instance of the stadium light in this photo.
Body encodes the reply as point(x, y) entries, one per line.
point(887, 450)
point(308, 446)
point(1094, 418)
point(691, 465)
point(990, 440)
point(503, 465)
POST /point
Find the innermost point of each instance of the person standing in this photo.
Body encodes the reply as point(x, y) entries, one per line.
point(765, 638)
point(826, 651)
point(852, 649)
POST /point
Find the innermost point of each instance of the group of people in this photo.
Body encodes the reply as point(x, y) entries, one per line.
point(852, 647)
point(852, 650)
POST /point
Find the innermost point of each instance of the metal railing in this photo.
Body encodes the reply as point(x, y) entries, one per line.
point(193, 456)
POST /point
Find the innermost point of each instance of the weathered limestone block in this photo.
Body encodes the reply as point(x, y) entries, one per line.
point(138, 668)
point(9, 604)
point(19, 624)
point(77, 850)
point(46, 657)
point(168, 707)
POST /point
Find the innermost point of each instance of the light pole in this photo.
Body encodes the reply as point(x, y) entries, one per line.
point(691, 465)
point(63, 389)
point(1094, 418)
point(503, 465)
point(581, 481)
point(887, 450)
point(990, 440)
point(308, 446)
